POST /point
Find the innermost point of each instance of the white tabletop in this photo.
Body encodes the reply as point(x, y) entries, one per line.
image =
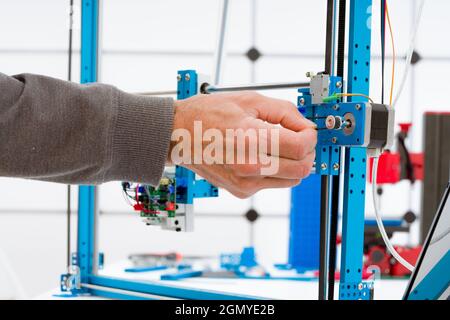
point(385, 289)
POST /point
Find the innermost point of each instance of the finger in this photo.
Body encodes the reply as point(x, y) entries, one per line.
point(271, 166)
point(271, 182)
point(286, 143)
point(277, 111)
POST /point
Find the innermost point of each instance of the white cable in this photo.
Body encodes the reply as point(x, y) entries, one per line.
point(384, 235)
point(412, 45)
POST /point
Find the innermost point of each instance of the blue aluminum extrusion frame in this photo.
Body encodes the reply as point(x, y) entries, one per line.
point(86, 194)
point(354, 173)
point(355, 158)
point(158, 289)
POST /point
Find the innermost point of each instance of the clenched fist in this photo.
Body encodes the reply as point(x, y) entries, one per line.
point(243, 142)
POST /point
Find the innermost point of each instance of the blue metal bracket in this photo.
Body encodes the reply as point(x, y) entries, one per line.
point(154, 288)
point(327, 150)
point(188, 187)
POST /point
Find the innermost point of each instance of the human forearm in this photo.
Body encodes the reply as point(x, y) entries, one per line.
point(58, 131)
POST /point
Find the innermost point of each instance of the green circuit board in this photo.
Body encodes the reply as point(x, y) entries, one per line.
point(159, 199)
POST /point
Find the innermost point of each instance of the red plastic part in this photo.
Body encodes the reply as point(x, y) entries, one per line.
point(404, 127)
point(389, 167)
point(377, 256)
point(409, 254)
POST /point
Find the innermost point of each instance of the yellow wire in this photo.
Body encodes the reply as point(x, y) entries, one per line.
point(354, 95)
point(393, 54)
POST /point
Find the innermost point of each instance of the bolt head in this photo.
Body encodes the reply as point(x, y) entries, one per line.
point(360, 286)
point(187, 77)
point(358, 107)
point(301, 101)
point(323, 166)
point(339, 84)
point(334, 139)
point(336, 107)
point(336, 166)
point(178, 77)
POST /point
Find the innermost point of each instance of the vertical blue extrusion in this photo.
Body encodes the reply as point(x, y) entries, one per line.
point(304, 229)
point(355, 157)
point(86, 194)
point(187, 86)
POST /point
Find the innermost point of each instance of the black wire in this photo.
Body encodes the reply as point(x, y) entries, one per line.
point(334, 210)
point(325, 179)
point(69, 78)
point(329, 37)
point(383, 41)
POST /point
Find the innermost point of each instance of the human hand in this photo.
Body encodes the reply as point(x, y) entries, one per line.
point(243, 142)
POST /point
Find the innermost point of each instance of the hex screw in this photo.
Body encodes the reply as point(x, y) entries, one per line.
point(358, 106)
point(360, 286)
point(323, 166)
point(339, 84)
point(178, 77)
point(187, 77)
point(301, 101)
point(336, 107)
point(334, 139)
point(336, 166)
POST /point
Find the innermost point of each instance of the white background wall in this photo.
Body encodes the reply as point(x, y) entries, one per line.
point(144, 44)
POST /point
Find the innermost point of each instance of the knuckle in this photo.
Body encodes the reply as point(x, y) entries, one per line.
point(291, 106)
point(314, 136)
point(239, 194)
point(301, 172)
point(250, 95)
point(296, 182)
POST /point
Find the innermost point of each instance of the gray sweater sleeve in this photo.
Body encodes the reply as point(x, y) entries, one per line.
point(54, 130)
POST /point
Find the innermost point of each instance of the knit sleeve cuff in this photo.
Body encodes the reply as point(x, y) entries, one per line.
point(141, 138)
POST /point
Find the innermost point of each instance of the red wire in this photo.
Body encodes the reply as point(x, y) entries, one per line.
point(141, 206)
